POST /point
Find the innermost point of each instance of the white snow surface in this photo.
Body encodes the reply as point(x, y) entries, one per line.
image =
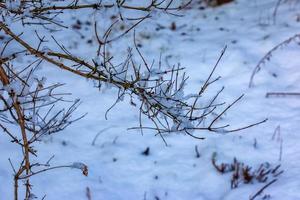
point(117, 168)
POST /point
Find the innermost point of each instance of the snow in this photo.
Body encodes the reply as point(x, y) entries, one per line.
point(117, 168)
point(12, 5)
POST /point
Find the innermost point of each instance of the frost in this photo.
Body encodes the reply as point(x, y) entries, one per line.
point(46, 49)
point(16, 87)
point(9, 102)
point(81, 166)
point(13, 4)
point(78, 165)
point(43, 80)
point(26, 12)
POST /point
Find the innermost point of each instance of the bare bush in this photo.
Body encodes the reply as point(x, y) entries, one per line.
point(158, 92)
point(268, 56)
point(28, 103)
point(245, 174)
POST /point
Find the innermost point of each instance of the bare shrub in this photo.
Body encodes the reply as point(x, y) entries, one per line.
point(269, 54)
point(242, 173)
point(158, 92)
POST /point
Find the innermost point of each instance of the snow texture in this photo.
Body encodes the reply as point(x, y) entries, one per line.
point(118, 170)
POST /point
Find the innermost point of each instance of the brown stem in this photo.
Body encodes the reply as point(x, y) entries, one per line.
point(16, 188)
point(5, 81)
point(21, 122)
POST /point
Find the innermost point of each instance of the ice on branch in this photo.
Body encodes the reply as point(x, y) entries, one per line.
point(81, 166)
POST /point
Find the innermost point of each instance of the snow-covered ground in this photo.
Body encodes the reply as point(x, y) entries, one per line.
point(117, 168)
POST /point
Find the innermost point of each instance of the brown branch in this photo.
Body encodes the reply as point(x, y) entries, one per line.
point(282, 94)
point(262, 189)
point(5, 81)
